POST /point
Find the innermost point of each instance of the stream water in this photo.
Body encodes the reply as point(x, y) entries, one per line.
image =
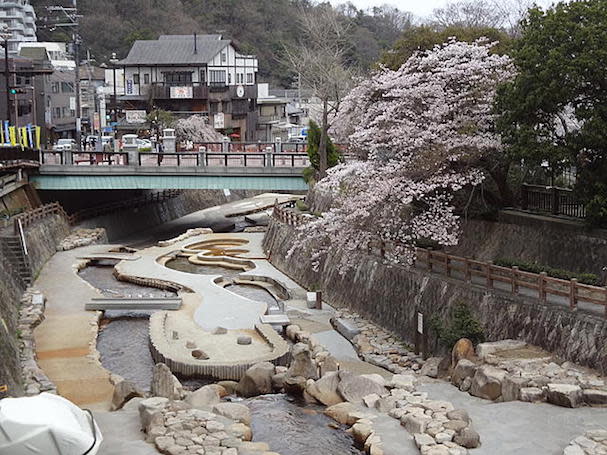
point(183, 265)
point(294, 428)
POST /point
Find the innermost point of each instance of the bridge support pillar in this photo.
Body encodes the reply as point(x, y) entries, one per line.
point(202, 157)
point(225, 146)
point(269, 157)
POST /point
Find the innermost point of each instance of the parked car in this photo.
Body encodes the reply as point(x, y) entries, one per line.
point(144, 145)
point(65, 144)
point(298, 139)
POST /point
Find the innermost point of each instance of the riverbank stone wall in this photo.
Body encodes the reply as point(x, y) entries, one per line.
point(391, 296)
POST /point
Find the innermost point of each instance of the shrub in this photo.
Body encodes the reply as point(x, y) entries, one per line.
point(596, 211)
point(301, 206)
point(333, 156)
point(534, 267)
point(461, 323)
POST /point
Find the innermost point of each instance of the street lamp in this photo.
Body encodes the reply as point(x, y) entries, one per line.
point(5, 35)
point(114, 62)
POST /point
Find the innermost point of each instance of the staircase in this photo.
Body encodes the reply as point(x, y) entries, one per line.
point(13, 250)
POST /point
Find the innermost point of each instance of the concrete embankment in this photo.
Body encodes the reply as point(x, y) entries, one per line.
point(391, 296)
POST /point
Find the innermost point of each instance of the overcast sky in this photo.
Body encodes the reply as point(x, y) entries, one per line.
point(420, 8)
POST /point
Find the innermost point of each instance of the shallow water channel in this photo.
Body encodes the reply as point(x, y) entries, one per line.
point(182, 264)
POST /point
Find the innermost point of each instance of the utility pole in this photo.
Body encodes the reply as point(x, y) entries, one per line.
point(7, 82)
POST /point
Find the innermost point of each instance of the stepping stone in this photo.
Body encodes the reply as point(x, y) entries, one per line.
point(244, 340)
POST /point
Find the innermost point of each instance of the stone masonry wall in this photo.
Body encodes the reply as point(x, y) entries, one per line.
point(42, 239)
point(391, 297)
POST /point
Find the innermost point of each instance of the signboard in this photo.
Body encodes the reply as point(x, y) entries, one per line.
point(73, 103)
point(420, 323)
point(136, 117)
point(129, 87)
point(181, 92)
point(219, 121)
point(96, 121)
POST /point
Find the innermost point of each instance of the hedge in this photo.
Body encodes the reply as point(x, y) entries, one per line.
point(534, 267)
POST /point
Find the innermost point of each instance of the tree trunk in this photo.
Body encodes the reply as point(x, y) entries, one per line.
point(323, 164)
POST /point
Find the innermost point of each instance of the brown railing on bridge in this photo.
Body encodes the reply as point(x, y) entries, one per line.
point(18, 154)
point(465, 269)
point(552, 200)
point(30, 217)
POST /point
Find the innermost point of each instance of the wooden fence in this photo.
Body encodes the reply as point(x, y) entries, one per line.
point(32, 216)
point(485, 274)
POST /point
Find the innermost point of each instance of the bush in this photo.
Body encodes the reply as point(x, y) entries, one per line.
point(333, 156)
point(534, 267)
point(461, 324)
point(596, 211)
point(301, 206)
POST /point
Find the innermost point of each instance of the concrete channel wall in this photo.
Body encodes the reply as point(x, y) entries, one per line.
point(391, 296)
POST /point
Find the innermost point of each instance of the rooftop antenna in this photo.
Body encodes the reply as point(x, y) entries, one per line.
point(195, 44)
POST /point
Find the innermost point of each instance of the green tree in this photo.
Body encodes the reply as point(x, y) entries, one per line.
point(424, 37)
point(333, 156)
point(555, 110)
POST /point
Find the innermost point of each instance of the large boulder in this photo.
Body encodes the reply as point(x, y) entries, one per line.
point(328, 365)
point(487, 382)
point(257, 380)
point(511, 387)
point(325, 389)
point(353, 388)
point(149, 407)
point(340, 412)
point(463, 369)
point(566, 395)
point(234, 411)
point(463, 349)
point(302, 363)
point(164, 384)
point(595, 397)
point(430, 367)
point(467, 438)
point(123, 392)
point(204, 397)
point(403, 381)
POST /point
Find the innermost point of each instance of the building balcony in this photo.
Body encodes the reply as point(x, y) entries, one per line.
point(270, 119)
point(193, 90)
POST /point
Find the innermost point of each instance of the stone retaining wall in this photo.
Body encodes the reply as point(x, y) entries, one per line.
point(391, 297)
point(42, 239)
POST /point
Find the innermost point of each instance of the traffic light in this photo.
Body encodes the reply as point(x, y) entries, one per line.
point(17, 91)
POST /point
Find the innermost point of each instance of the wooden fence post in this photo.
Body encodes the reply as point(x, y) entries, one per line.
point(515, 279)
point(542, 286)
point(524, 197)
point(429, 251)
point(573, 294)
point(448, 265)
point(468, 272)
point(488, 275)
point(555, 201)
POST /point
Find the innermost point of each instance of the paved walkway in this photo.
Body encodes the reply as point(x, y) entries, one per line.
point(65, 340)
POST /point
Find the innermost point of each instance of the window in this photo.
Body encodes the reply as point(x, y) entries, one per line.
point(249, 78)
point(214, 108)
point(24, 108)
point(146, 79)
point(55, 87)
point(64, 111)
point(217, 77)
point(224, 57)
point(67, 87)
point(230, 78)
point(136, 79)
point(72, 113)
point(240, 78)
point(178, 78)
point(57, 112)
point(203, 76)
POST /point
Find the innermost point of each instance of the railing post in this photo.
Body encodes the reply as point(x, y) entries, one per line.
point(468, 272)
point(448, 265)
point(488, 276)
point(524, 196)
point(555, 201)
point(68, 158)
point(429, 251)
point(573, 294)
point(515, 270)
point(269, 156)
point(542, 286)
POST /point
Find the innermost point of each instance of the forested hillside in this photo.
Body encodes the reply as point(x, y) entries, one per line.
point(261, 27)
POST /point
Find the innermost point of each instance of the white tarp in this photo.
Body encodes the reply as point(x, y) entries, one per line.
point(46, 424)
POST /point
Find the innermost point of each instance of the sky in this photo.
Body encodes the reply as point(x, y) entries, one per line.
point(417, 7)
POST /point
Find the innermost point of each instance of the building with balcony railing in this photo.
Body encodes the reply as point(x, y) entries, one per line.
point(19, 19)
point(195, 74)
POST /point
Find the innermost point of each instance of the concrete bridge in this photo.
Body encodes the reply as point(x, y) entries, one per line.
point(267, 170)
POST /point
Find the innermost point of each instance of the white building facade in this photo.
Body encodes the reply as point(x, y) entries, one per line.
point(19, 19)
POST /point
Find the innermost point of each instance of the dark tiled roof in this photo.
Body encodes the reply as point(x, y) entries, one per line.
point(175, 50)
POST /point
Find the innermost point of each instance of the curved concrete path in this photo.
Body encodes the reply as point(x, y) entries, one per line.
point(65, 340)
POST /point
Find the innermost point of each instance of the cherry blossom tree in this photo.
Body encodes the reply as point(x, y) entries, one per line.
point(196, 129)
point(420, 133)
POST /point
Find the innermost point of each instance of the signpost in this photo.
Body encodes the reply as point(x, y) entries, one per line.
point(421, 337)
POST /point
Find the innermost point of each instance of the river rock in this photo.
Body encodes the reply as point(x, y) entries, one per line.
point(295, 385)
point(463, 369)
point(149, 407)
point(302, 363)
point(511, 387)
point(278, 381)
point(164, 384)
point(595, 397)
point(234, 411)
point(416, 423)
point(483, 350)
point(229, 386)
point(360, 432)
point(430, 367)
point(325, 389)
point(403, 381)
point(459, 414)
point(123, 392)
point(244, 340)
point(241, 431)
point(204, 397)
point(467, 438)
point(463, 349)
point(329, 364)
point(487, 382)
point(566, 395)
point(353, 388)
point(257, 380)
point(531, 394)
point(292, 331)
point(339, 412)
